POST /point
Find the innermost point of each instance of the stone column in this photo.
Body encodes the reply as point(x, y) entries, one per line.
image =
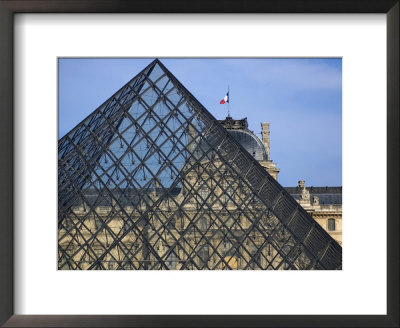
point(265, 137)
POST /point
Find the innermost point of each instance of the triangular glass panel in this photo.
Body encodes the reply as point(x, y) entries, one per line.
point(150, 180)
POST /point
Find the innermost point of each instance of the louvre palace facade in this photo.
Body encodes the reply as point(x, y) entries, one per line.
point(152, 181)
point(324, 204)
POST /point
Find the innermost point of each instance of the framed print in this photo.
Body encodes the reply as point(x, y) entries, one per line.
point(39, 283)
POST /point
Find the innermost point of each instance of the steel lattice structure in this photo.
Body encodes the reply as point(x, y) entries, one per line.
point(151, 180)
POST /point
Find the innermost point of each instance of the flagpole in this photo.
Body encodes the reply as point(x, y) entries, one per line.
point(228, 101)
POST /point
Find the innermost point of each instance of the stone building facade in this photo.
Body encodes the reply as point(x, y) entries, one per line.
point(324, 204)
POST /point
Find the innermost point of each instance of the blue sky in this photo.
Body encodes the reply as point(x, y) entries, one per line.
point(300, 98)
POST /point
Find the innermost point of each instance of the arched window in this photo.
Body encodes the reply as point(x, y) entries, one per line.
point(203, 223)
point(331, 225)
point(180, 215)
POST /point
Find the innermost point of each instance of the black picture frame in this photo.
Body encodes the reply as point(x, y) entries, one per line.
point(7, 10)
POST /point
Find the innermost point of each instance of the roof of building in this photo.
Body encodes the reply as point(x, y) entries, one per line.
point(327, 195)
point(239, 130)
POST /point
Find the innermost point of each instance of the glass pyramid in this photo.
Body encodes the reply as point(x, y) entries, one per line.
point(150, 180)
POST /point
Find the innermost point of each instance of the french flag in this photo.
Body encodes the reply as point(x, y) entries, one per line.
point(226, 99)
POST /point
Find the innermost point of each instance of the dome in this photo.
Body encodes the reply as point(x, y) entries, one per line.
point(251, 143)
point(238, 129)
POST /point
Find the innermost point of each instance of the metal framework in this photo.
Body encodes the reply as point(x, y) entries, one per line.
point(150, 180)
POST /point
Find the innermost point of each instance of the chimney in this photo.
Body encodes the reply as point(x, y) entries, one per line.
point(265, 137)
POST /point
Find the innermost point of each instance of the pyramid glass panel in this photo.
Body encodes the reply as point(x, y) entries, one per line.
point(150, 180)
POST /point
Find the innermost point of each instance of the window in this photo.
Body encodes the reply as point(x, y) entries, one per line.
point(203, 223)
point(227, 193)
point(285, 250)
point(172, 261)
point(227, 248)
point(203, 255)
point(204, 191)
point(98, 223)
point(182, 226)
point(331, 225)
point(255, 260)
